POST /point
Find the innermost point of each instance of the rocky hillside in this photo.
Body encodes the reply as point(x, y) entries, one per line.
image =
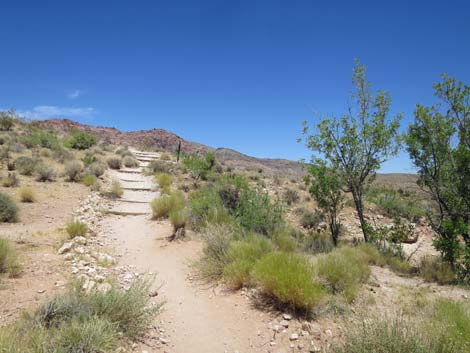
point(159, 139)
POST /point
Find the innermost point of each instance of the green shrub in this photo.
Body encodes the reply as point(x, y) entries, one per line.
point(178, 218)
point(96, 168)
point(242, 256)
point(27, 195)
point(343, 270)
point(155, 167)
point(435, 270)
point(284, 240)
point(199, 167)
point(217, 239)
point(73, 170)
point(164, 182)
point(11, 180)
point(290, 279)
point(318, 242)
point(8, 259)
point(256, 212)
point(202, 202)
point(26, 165)
point(41, 138)
point(8, 209)
point(62, 154)
point(89, 158)
point(130, 162)
point(90, 180)
point(114, 162)
point(372, 254)
point(165, 156)
point(45, 173)
point(124, 152)
point(7, 121)
point(76, 228)
point(80, 140)
point(163, 205)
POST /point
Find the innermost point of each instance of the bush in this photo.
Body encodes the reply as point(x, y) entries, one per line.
point(199, 167)
point(6, 121)
point(61, 155)
point(8, 209)
point(242, 256)
point(165, 156)
point(80, 140)
point(202, 202)
point(291, 196)
point(10, 180)
point(435, 270)
point(163, 205)
point(157, 167)
point(164, 182)
point(343, 270)
point(114, 163)
point(257, 213)
point(130, 162)
point(26, 165)
point(311, 220)
point(96, 168)
point(8, 259)
point(73, 170)
point(285, 240)
point(178, 219)
point(45, 173)
point(90, 180)
point(318, 243)
point(290, 279)
point(372, 254)
point(27, 195)
point(41, 138)
point(76, 228)
point(115, 191)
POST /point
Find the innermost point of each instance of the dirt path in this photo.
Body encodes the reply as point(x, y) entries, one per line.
point(195, 318)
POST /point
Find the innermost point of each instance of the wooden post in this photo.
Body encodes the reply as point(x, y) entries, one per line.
point(178, 151)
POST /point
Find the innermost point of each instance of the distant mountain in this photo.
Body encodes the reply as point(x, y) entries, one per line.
point(159, 139)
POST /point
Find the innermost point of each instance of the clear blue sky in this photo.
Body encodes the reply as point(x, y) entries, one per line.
point(238, 74)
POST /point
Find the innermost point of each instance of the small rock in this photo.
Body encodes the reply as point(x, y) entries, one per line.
point(284, 323)
point(287, 317)
point(65, 248)
point(104, 287)
point(294, 337)
point(153, 293)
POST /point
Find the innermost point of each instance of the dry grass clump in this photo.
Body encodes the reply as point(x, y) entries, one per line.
point(116, 191)
point(73, 170)
point(162, 206)
point(435, 270)
point(8, 259)
point(76, 228)
point(75, 322)
point(290, 280)
point(11, 180)
point(96, 168)
point(164, 156)
point(90, 180)
point(27, 195)
point(26, 165)
point(164, 181)
point(130, 162)
point(178, 219)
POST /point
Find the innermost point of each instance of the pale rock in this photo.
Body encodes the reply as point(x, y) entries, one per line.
point(65, 248)
point(294, 337)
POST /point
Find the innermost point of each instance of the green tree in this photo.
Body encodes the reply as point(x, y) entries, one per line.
point(438, 142)
point(326, 185)
point(199, 167)
point(359, 142)
point(80, 140)
point(7, 120)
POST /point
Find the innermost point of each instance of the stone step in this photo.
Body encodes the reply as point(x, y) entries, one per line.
point(127, 213)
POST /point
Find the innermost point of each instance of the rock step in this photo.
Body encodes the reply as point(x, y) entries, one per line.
point(127, 213)
point(131, 171)
point(132, 181)
point(137, 189)
point(133, 201)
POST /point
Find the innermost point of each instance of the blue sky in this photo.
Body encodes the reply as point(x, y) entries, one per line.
point(238, 74)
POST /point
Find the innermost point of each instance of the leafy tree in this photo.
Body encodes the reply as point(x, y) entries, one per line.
point(7, 120)
point(359, 142)
point(438, 142)
point(326, 186)
point(199, 167)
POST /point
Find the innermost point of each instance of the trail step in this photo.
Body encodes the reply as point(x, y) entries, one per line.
point(133, 181)
point(131, 171)
point(127, 213)
point(138, 189)
point(133, 201)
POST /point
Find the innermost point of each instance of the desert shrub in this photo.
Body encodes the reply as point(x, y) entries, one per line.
point(311, 220)
point(8, 209)
point(318, 242)
point(372, 254)
point(124, 152)
point(114, 162)
point(343, 270)
point(178, 218)
point(62, 155)
point(130, 162)
point(285, 240)
point(291, 196)
point(165, 156)
point(27, 194)
point(164, 182)
point(10, 180)
point(80, 140)
point(96, 168)
point(290, 279)
point(45, 173)
point(73, 170)
point(41, 138)
point(115, 191)
point(435, 270)
point(202, 201)
point(162, 206)
point(155, 167)
point(242, 256)
point(7, 121)
point(398, 264)
point(89, 158)
point(90, 180)
point(26, 165)
point(199, 167)
point(256, 212)
point(76, 228)
point(217, 239)
point(8, 259)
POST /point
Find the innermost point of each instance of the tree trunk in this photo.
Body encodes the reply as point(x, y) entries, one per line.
point(357, 196)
